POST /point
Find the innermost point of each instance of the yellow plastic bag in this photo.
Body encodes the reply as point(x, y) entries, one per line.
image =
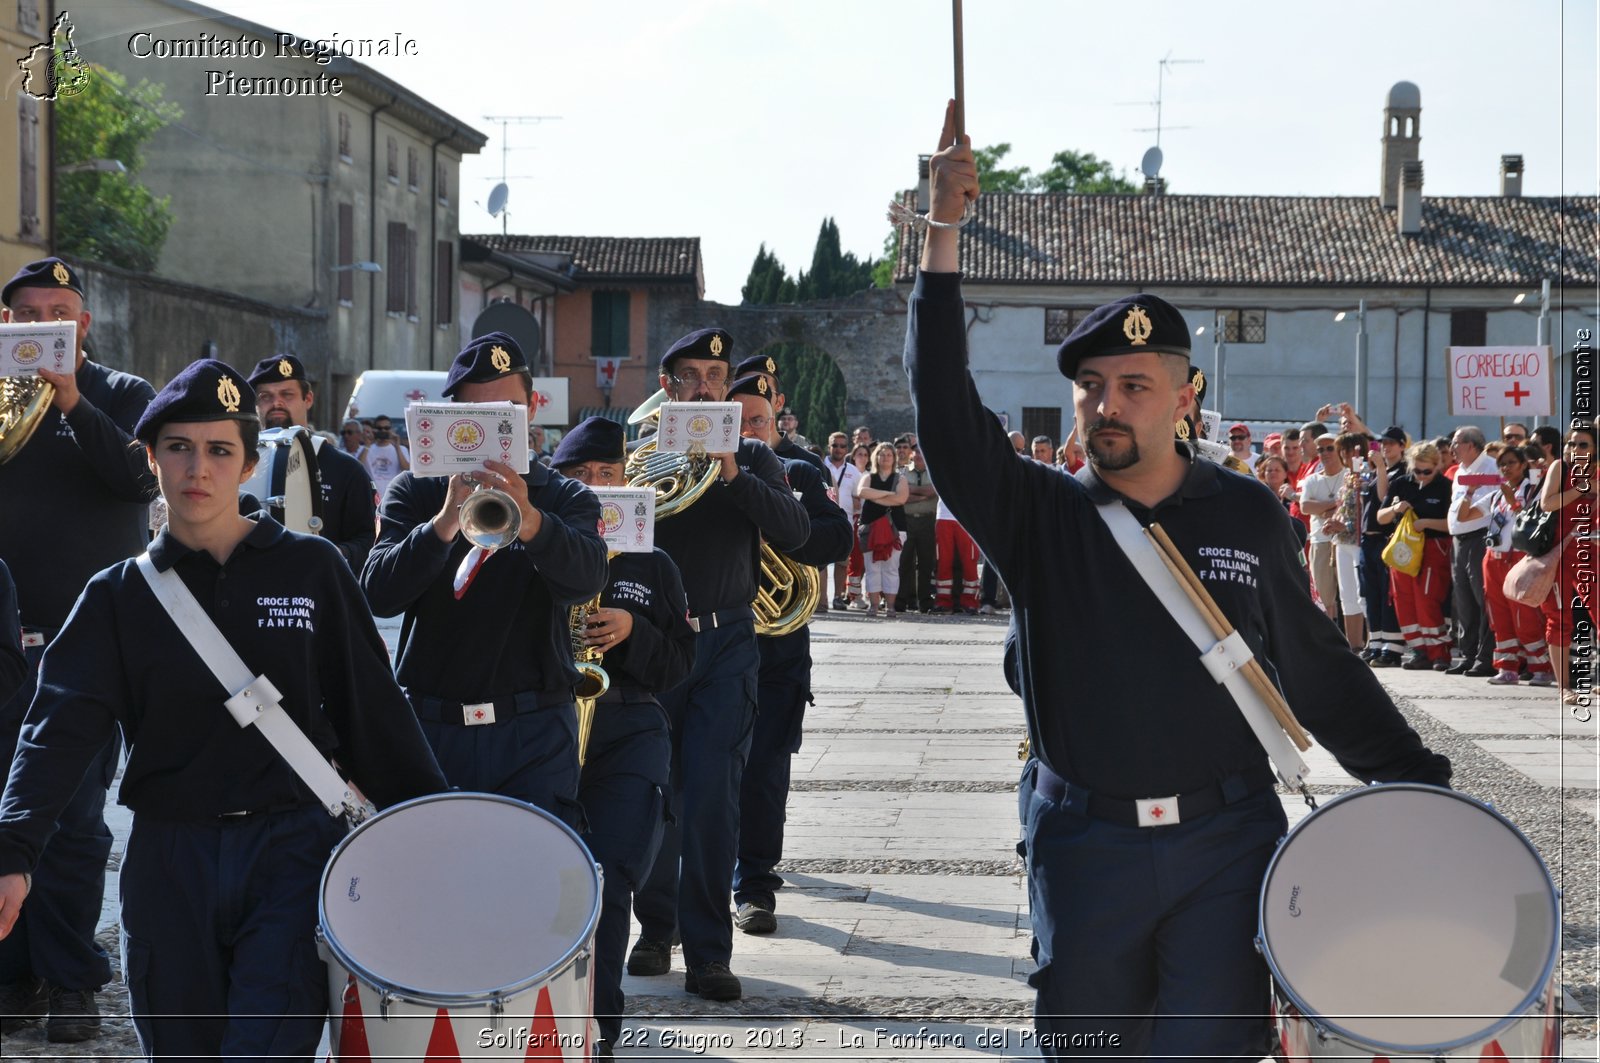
point(1404, 552)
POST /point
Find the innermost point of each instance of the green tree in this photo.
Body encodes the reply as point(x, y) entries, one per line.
point(992, 177)
point(110, 217)
point(813, 386)
point(834, 272)
point(1082, 172)
point(768, 283)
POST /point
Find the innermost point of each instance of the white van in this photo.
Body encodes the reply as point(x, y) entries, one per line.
point(387, 393)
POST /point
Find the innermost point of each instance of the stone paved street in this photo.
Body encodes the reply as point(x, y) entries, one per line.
point(903, 931)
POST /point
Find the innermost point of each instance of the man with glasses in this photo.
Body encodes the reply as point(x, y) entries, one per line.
point(1476, 484)
point(1514, 434)
point(716, 544)
point(283, 400)
point(918, 557)
point(1239, 443)
point(384, 457)
point(351, 437)
point(843, 474)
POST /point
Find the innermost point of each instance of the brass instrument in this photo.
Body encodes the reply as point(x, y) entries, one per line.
point(679, 479)
point(490, 518)
point(23, 403)
point(593, 682)
point(786, 594)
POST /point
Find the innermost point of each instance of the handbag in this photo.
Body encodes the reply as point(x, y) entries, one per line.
point(1535, 531)
point(1531, 579)
point(1404, 552)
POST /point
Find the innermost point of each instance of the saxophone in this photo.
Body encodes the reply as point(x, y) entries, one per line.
point(593, 682)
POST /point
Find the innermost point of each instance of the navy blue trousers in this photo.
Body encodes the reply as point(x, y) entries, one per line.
point(711, 714)
point(1375, 588)
point(54, 935)
point(1144, 936)
point(783, 690)
point(623, 793)
point(218, 935)
point(532, 756)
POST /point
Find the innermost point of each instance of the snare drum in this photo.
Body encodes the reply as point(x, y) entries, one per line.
point(287, 479)
point(1410, 922)
point(460, 926)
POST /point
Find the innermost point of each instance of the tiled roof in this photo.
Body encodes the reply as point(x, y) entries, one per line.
point(1020, 238)
point(655, 258)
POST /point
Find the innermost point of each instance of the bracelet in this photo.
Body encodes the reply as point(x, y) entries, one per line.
point(900, 214)
point(27, 883)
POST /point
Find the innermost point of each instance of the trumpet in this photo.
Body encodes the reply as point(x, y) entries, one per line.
point(490, 520)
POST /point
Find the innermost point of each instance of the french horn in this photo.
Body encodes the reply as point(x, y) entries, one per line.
point(24, 401)
point(679, 480)
point(787, 593)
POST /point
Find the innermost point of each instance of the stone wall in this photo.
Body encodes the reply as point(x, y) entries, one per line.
point(864, 334)
point(153, 328)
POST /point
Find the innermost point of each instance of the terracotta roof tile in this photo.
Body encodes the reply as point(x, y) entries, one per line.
point(663, 258)
point(1019, 238)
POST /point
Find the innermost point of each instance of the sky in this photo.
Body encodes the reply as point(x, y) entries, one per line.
point(746, 122)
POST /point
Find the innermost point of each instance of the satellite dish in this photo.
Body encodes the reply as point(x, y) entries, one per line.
point(497, 200)
point(1150, 165)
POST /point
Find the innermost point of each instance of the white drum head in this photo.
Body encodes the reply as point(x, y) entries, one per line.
point(1409, 916)
point(286, 478)
point(458, 896)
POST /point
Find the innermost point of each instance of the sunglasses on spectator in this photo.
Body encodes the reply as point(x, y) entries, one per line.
point(350, 432)
point(1326, 450)
point(1236, 438)
point(1512, 437)
point(1423, 472)
point(837, 446)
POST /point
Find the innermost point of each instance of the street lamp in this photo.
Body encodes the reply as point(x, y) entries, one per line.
point(359, 267)
point(1361, 353)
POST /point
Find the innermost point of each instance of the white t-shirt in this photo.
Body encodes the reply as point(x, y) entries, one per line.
point(383, 463)
point(845, 477)
point(1482, 497)
point(1319, 486)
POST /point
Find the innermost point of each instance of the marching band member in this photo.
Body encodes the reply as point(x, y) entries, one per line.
point(349, 505)
point(13, 663)
point(490, 674)
point(75, 500)
point(716, 544)
point(784, 685)
point(642, 627)
point(781, 445)
point(219, 882)
point(1149, 805)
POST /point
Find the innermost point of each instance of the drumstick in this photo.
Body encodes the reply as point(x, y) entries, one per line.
point(1218, 622)
point(960, 96)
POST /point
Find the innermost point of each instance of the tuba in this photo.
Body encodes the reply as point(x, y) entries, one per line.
point(679, 479)
point(24, 400)
point(786, 594)
point(593, 681)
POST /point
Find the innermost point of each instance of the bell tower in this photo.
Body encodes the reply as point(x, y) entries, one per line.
point(1402, 136)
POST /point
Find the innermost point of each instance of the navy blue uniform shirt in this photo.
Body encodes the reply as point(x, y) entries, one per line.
point(76, 498)
point(509, 633)
point(659, 652)
point(788, 450)
point(291, 609)
point(716, 542)
point(830, 537)
point(13, 665)
point(349, 504)
point(1116, 697)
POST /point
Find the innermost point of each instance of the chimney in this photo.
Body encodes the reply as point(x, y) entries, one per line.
point(1155, 186)
point(923, 195)
point(1402, 138)
point(1410, 216)
point(1511, 176)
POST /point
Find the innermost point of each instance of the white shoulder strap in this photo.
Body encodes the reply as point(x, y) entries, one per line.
point(254, 699)
point(1225, 660)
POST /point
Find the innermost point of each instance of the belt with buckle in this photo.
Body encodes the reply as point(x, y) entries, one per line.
point(478, 713)
point(34, 638)
point(721, 618)
point(1154, 811)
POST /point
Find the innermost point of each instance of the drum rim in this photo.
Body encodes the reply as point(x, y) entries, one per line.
point(1283, 985)
point(417, 995)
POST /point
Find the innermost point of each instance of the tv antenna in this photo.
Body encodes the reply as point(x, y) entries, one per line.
point(501, 192)
point(1161, 77)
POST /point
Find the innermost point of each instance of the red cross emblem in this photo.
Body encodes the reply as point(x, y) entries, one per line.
point(1157, 812)
point(610, 371)
point(426, 441)
point(416, 394)
point(425, 424)
point(1516, 394)
point(425, 459)
point(540, 399)
point(477, 714)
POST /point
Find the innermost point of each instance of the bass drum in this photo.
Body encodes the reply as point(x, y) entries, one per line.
point(460, 926)
point(1411, 922)
point(287, 479)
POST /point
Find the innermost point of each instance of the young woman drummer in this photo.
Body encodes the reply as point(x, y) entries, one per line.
point(219, 882)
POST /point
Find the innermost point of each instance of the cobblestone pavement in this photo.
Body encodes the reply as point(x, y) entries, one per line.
point(903, 929)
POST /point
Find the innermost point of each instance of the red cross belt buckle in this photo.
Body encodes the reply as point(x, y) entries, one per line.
point(481, 713)
point(1157, 811)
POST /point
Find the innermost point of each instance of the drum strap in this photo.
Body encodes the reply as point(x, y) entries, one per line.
point(254, 701)
point(1222, 659)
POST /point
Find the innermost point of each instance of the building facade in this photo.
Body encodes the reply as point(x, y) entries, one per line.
point(25, 133)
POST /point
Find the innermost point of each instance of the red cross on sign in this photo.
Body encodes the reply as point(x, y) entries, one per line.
point(416, 395)
point(540, 399)
point(1516, 394)
point(610, 370)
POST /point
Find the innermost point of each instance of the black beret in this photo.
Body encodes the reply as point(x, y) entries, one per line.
point(709, 343)
point(757, 363)
point(45, 273)
point(593, 439)
point(1129, 325)
point(754, 384)
point(489, 357)
point(208, 390)
point(278, 368)
point(1197, 377)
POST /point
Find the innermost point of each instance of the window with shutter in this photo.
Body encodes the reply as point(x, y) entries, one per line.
point(609, 324)
point(347, 252)
point(396, 268)
point(444, 277)
point(413, 267)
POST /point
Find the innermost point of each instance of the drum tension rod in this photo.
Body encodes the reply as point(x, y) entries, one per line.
point(497, 1009)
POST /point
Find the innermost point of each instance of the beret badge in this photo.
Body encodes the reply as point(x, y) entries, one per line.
point(61, 275)
point(285, 370)
point(772, 367)
point(1136, 326)
point(761, 385)
point(716, 346)
point(500, 359)
point(228, 395)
